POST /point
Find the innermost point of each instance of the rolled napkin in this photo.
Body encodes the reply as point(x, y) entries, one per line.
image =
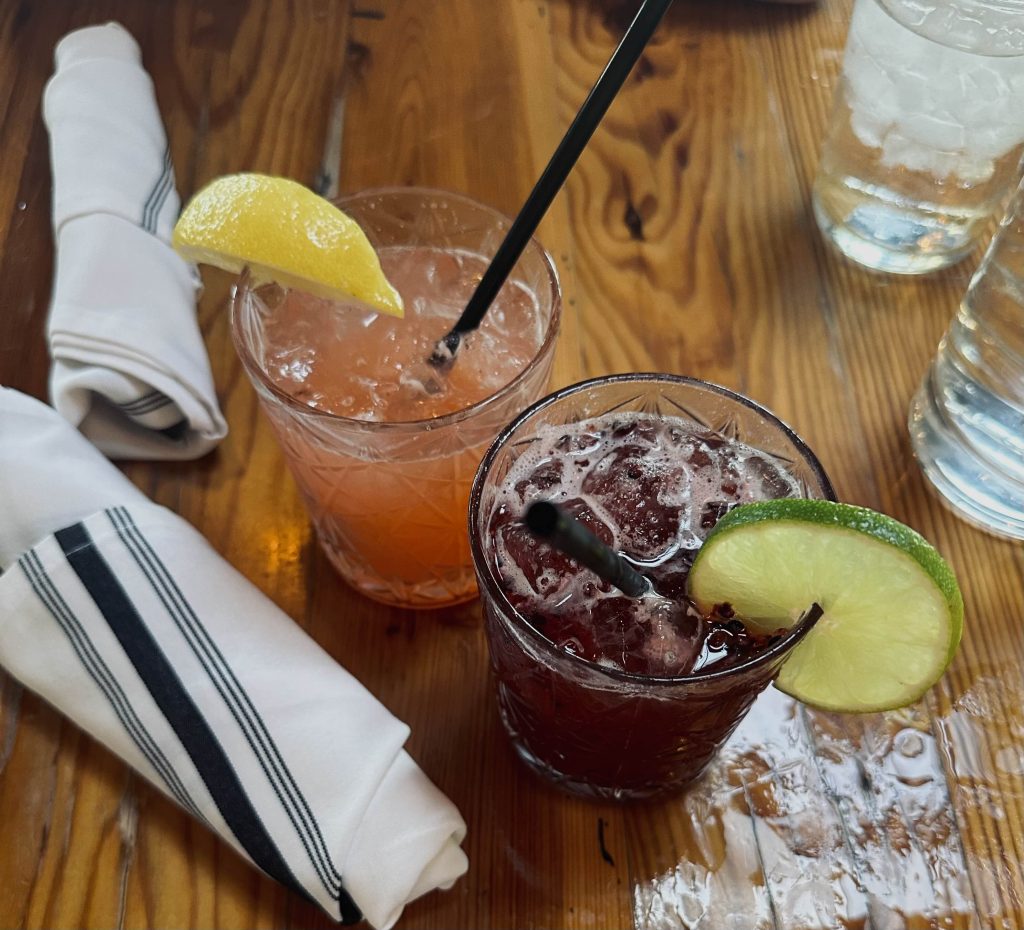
point(129, 365)
point(121, 615)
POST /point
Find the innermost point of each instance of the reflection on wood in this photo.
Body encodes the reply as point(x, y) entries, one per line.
point(813, 821)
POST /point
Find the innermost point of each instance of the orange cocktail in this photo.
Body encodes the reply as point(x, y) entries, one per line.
point(382, 446)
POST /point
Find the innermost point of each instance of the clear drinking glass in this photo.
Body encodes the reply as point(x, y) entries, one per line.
point(600, 731)
point(389, 498)
point(967, 419)
point(927, 130)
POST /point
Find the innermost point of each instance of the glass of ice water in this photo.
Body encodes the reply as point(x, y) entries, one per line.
point(927, 130)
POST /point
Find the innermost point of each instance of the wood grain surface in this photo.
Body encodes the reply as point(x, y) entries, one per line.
point(685, 243)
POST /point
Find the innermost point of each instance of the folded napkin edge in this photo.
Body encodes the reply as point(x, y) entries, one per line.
point(50, 557)
point(393, 836)
point(110, 36)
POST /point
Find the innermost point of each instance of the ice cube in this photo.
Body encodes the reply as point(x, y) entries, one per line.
point(994, 140)
point(631, 488)
point(542, 480)
point(867, 128)
point(294, 363)
point(673, 637)
point(640, 430)
point(900, 151)
point(939, 133)
point(582, 443)
point(618, 635)
point(712, 512)
point(871, 87)
point(544, 569)
point(767, 480)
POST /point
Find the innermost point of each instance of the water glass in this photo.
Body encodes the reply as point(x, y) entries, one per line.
point(927, 130)
point(967, 419)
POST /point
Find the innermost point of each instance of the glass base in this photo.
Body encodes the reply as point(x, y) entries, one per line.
point(582, 789)
point(585, 789)
point(893, 244)
point(969, 486)
point(428, 594)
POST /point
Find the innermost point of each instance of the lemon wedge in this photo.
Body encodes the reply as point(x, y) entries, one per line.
point(284, 233)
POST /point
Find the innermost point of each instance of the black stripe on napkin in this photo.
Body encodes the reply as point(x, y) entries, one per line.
point(158, 204)
point(242, 708)
point(150, 211)
point(191, 727)
point(100, 673)
point(154, 400)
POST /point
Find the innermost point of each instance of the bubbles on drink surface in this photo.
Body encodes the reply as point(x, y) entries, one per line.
point(650, 487)
point(347, 360)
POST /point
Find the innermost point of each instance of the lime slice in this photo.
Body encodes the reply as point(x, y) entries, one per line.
point(284, 233)
point(893, 613)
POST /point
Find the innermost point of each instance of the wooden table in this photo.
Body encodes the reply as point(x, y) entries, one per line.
point(685, 244)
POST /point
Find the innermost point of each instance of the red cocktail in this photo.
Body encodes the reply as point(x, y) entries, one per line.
point(610, 695)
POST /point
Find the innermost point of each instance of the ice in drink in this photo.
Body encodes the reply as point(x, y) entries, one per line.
point(350, 361)
point(383, 448)
point(609, 695)
point(927, 131)
point(651, 489)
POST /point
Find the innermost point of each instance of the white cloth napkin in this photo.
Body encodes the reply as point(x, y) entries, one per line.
point(129, 365)
point(123, 617)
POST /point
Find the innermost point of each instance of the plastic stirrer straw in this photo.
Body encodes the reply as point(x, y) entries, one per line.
point(555, 527)
point(551, 181)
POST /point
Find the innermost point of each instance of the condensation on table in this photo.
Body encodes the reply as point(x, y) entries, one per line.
point(810, 820)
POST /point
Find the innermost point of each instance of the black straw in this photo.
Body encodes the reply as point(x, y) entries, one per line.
point(810, 616)
point(551, 181)
point(570, 537)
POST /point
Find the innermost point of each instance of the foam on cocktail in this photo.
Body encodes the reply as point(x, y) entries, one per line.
point(650, 488)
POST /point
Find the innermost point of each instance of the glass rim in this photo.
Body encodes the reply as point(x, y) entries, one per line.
point(491, 588)
point(243, 285)
point(963, 8)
